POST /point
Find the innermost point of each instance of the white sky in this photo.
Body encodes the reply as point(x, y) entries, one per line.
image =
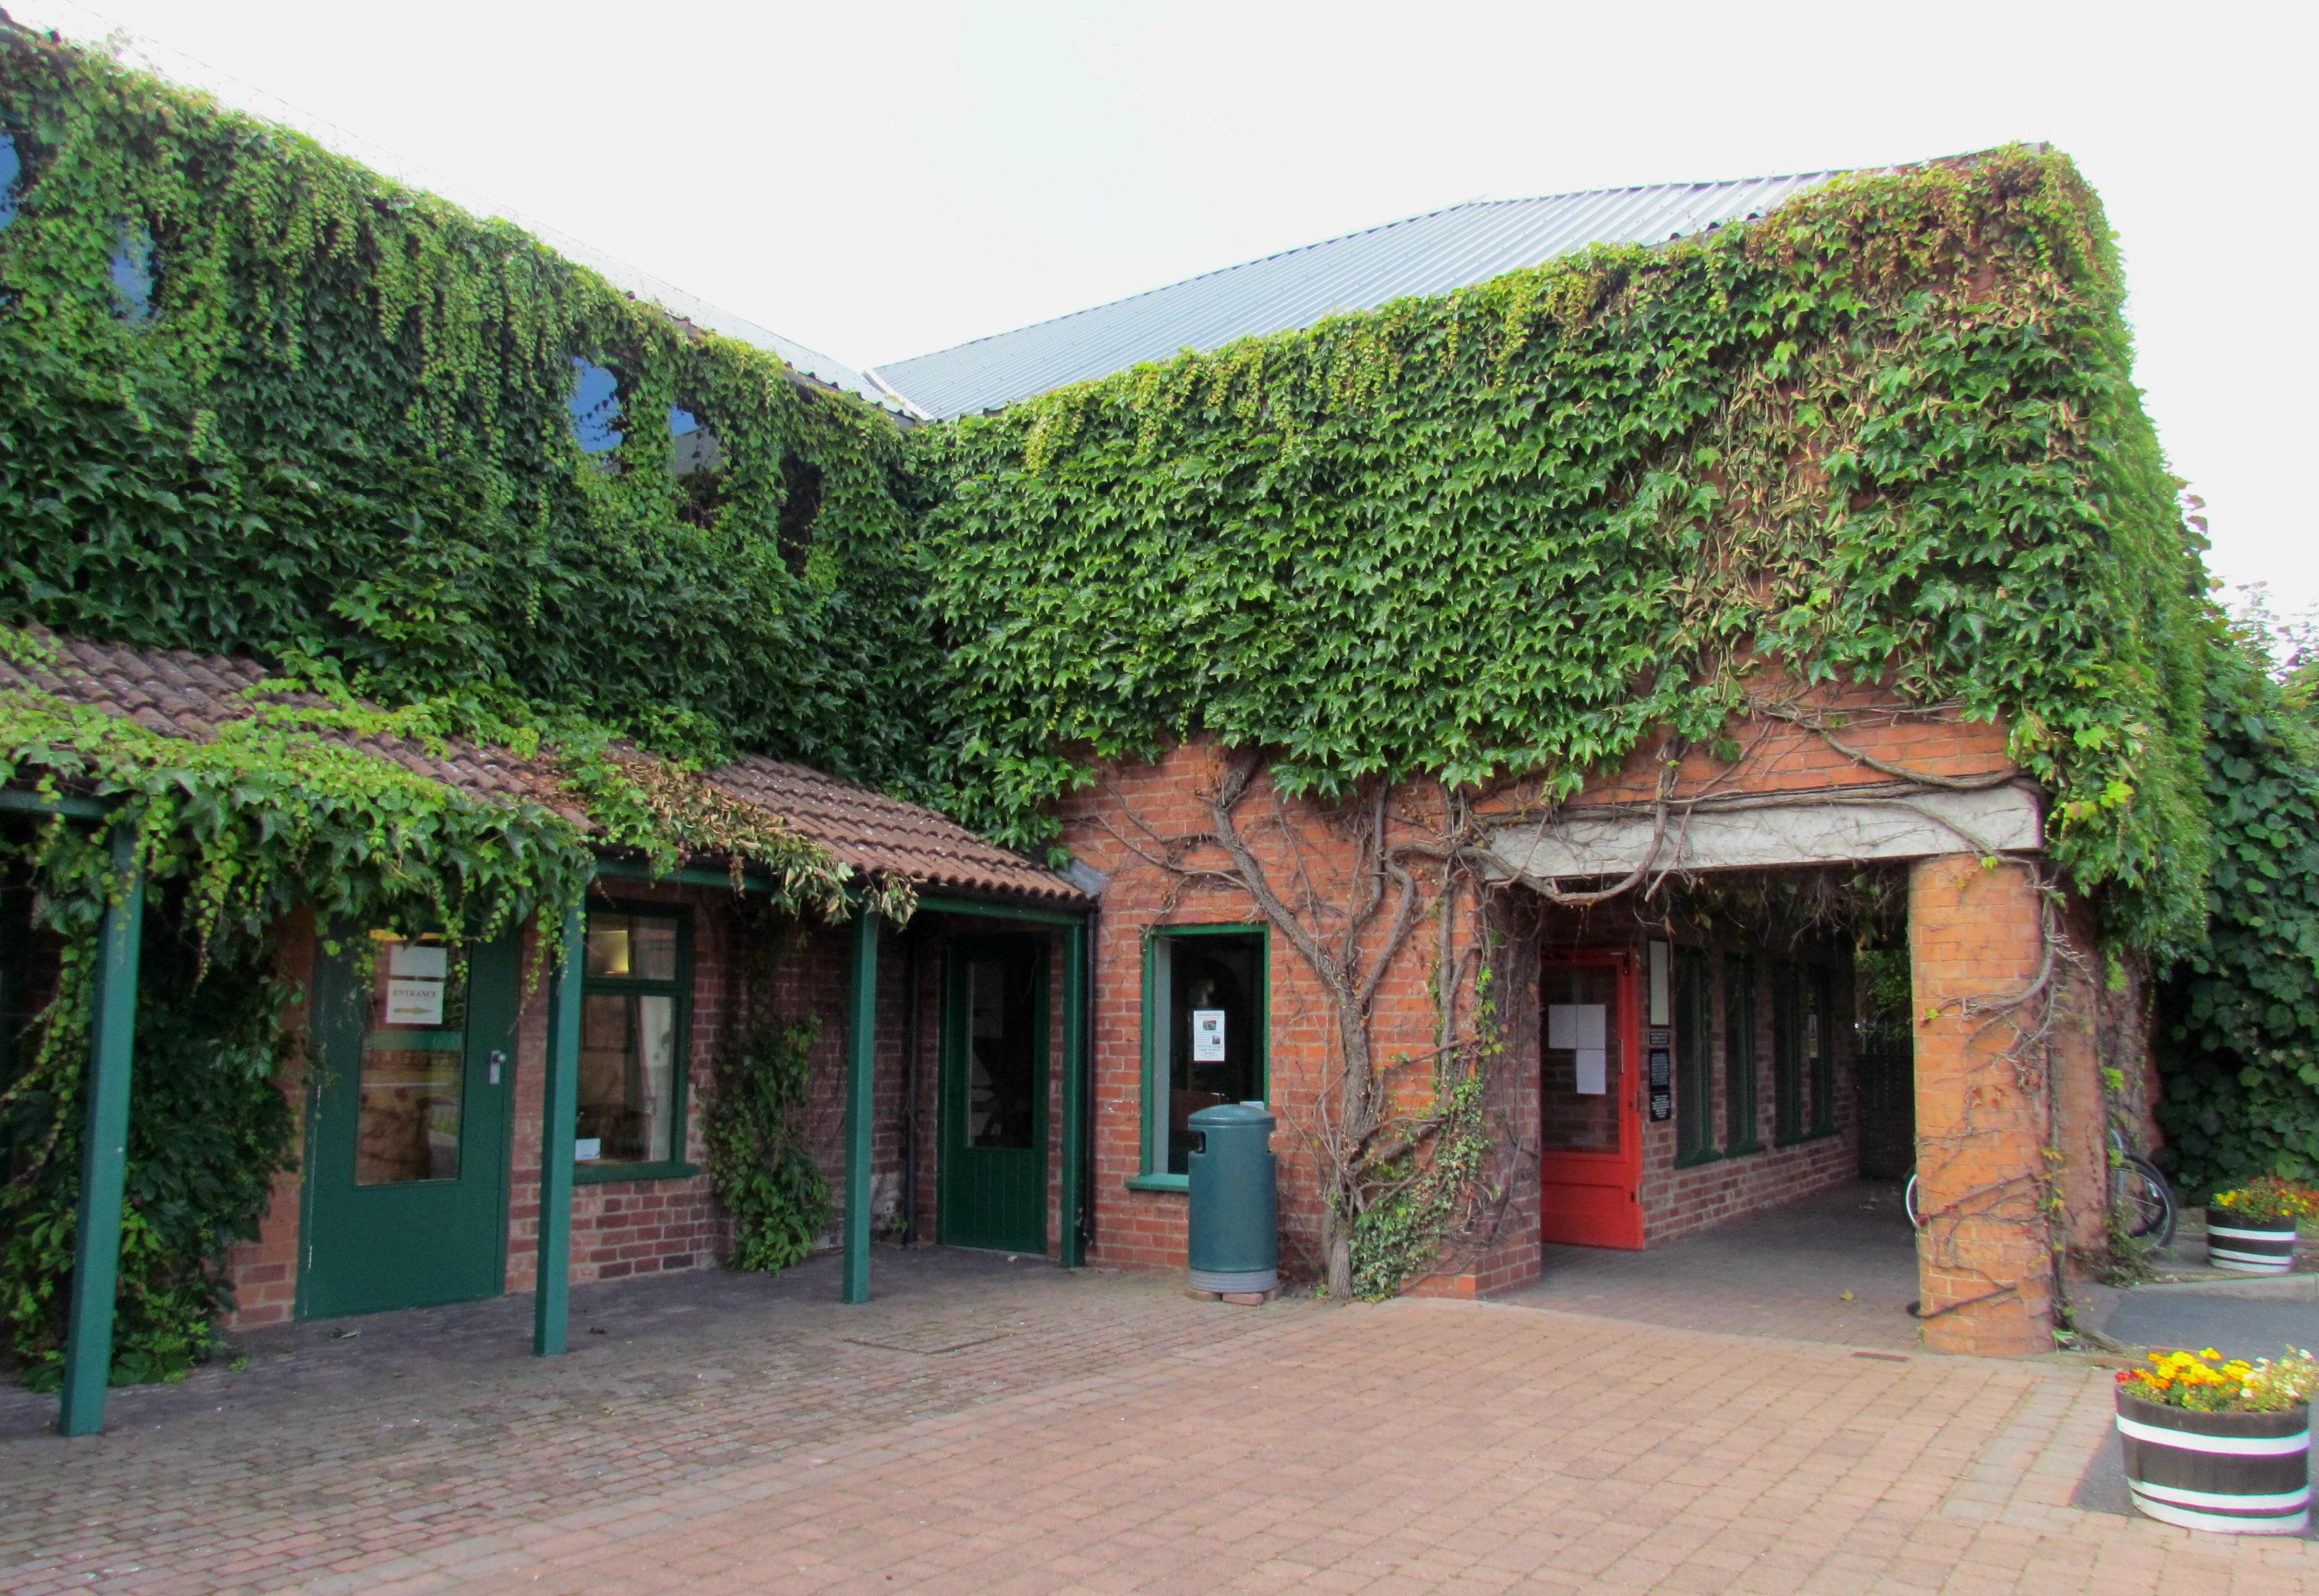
point(881, 180)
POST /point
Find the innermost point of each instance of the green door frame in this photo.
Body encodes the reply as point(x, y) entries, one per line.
point(953, 1169)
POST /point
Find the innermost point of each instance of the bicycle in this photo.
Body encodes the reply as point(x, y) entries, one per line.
point(2138, 1192)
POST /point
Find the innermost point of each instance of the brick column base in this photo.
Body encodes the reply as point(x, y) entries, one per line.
point(1984, 1263)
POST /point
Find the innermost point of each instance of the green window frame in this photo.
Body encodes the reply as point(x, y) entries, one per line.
point(1739, 1056)
point(1158, 948)
point(679, 988)
point(1694, 1074)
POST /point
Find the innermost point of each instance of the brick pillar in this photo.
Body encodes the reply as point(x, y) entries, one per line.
point(1983, 1261)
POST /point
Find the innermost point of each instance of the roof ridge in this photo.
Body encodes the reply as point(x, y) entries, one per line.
point(879, 373)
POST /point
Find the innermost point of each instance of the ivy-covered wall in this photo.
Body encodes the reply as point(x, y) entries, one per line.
point(2239, 1016)
point(1887, 433)
point(260, 401)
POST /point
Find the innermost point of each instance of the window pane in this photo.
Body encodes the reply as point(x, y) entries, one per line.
point(631, 947)
point(1214, 984)
point(1584, 1074)
point(413, 1066)
point(1002, 1045)
point(628, 1077)
point(595, 406)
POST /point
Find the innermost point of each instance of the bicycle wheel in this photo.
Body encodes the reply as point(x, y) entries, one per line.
point(2145, 1201)
point(1908, 1203)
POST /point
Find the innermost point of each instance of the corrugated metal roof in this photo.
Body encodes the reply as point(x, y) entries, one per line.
point(677, 302)
point(1430, 254)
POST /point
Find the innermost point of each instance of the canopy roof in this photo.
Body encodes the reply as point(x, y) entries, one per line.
point(180, 694)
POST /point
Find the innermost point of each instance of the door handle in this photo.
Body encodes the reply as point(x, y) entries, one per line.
point(498, 1058)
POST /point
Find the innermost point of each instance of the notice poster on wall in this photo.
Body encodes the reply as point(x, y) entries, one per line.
point(1207, 1036)
point(1582, 1030)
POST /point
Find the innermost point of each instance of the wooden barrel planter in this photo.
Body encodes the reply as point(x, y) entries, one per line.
point(2233, 1473)
point(2235, 1243)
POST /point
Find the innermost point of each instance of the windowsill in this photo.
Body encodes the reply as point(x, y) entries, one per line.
point(1159, 1183)
point(1692, 1160)
point(1743, 1150)
point(1806, 1136)
point(596, 1173)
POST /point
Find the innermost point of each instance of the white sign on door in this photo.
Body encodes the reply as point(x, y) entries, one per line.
point(414, 1002)
point(1583, 1030)
point(1207, 1036)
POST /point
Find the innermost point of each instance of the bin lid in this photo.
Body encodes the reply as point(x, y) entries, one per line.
point(1229, 1113)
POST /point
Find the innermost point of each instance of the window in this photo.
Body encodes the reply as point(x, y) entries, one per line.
point(1206, 997)
point(801, 504)
point(595, 406)
point(1787, 1063)
point(413, 1070)
point(1803, 1060)
point(12, 178)
point(1820, 1048)
point(1695, 1073)
point(133, 265)
point(1739, 1055)
point(694, 447)
point(636, 974)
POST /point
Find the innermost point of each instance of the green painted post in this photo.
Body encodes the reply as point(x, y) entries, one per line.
point(860, 1102)
point(1075, 1076)
point(105, 1151)
point(559, 1121)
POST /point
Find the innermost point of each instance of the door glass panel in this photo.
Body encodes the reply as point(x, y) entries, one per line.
point(1214, 984)
point(1002, 1053)
point(1585, 1077)
point(632, 947)
point(413, 1066)
point(628, 1068)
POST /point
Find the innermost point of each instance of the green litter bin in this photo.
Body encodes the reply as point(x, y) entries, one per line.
point(1235, 1200)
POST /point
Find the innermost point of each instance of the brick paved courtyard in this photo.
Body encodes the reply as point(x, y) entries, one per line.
point(987, 1425)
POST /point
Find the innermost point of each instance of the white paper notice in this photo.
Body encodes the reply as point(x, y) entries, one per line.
point(418, 960)
point(414, 1002)
point(1578, 1025)
point(1592, 1073)
point(1207, 1036)
point(587, 1148)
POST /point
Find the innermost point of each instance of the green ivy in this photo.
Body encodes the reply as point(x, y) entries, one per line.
point(209, 1127)
point(342, 437)
point(763, 1173)
point(2239, 1032)
point(1887, 433)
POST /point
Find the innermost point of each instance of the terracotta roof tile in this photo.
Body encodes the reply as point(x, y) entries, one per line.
point(179, 694)
point(872, 831)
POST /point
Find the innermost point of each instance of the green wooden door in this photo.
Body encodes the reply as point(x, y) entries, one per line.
point(994, 1094)
point(407, 1151)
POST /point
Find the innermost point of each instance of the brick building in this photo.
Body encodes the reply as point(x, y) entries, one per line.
point(1652, 982)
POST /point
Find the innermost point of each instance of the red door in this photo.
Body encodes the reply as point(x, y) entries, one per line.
point(1590, 1100)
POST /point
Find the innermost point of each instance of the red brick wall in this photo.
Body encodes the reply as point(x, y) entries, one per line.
point(264, 1273)
point(1299, 844)
point(1984, 1106)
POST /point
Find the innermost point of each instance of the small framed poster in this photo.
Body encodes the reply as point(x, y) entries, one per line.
point(1207, 1036)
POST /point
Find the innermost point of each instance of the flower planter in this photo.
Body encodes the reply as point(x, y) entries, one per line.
point(2233, 1473)
point(2251, 1247)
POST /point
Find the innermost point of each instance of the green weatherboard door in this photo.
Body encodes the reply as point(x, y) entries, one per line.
point(994, 1086)
point(406, 1173)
